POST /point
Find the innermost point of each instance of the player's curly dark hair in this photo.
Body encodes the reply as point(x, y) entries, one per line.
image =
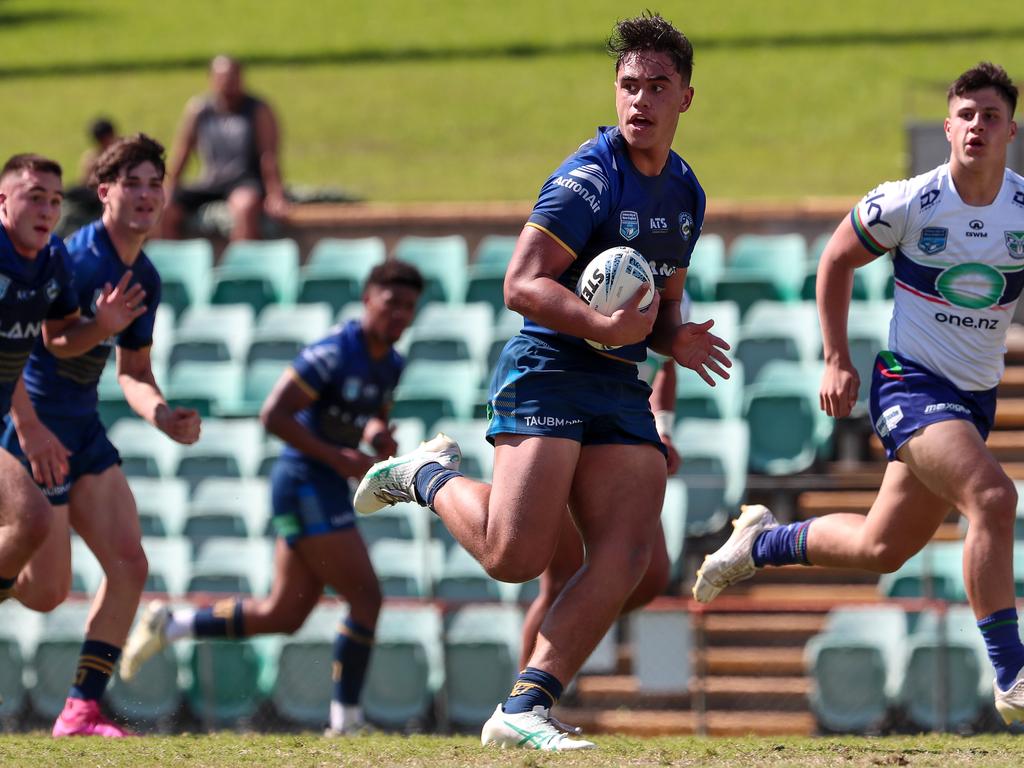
point(985, 75)
point(651, 32)
point(124, 154)
point(394, 272)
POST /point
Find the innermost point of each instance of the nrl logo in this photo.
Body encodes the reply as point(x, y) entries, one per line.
point(629, 224)
point(1014, 244)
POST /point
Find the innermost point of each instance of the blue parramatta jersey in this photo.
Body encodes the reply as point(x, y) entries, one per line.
point(31, 291)
point(597, 200)
point(350, 387)
point(67, 387)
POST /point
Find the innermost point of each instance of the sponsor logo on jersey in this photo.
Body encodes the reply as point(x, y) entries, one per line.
point(971, 286)
point(4, 283)
point(589, 197)
point(933, 240)
point(663, 269)
point(977, 228)
point(629, 224)
point(593, 174)
point(940, 407)
point(1018, 198)
point(25, 294)
point(685, 226)
point(1014, 244)
point(20, 331)
point(874, 211)
point(549, 421)
point(929, 198)
point(888, 420)
point(659, 224)
point(52, 289)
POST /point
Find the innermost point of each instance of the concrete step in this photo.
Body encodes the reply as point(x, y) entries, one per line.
point(673, 722)
point(766, 629)
point(805, 596)
point(774, 693)
point(1012, 383)
point(799, 574)
point(754, 661)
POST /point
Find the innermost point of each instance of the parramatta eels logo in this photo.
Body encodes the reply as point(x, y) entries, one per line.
point(629, 224)
point(933, 240)
point(686, 226)
point(4, 283)
point(1014, 244)
point(971, 286)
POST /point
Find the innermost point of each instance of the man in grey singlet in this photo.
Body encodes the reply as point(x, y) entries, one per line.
point(236, 137)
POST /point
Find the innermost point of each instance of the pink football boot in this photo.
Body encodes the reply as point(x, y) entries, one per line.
point(82, 717)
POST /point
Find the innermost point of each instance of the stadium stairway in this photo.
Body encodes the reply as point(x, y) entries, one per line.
point(749, 658)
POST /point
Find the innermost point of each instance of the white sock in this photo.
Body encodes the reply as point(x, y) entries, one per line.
point(179, 624)
point(345, 715)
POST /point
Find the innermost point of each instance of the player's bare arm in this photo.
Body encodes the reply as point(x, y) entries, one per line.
point(692, 345)
point(267, 143)
point(288, 398)
point(532, 289)
point(116, 308)
point(47, 456)
point(843, 254)
point(135, 375)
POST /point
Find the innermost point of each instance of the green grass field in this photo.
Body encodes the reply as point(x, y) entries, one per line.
point(252, 751)
point(399, 100)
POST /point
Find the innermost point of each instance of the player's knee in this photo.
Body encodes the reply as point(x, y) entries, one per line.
point(997, 507)
point(130, 567)
point(365, 603)
point(654, 582)
point(45, 597)
point(32, 523)
point(513, 569)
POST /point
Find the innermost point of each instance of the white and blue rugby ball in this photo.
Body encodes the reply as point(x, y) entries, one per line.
point(611, 278)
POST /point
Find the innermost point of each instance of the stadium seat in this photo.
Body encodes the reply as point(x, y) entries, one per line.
point(407, 667)
point(169, 565)
point(407, 568)
point(163, 339)
point(714, 469)
point(161, 504)
point(145, 451)
point(20, 629)
point(662, 641)
point(867, 329)
point(774, 330)
point(696, 400)
point(404, 521)
point(301, 690)
point(260, 379)
point(443, 262)
point(86, 571)
point(269, 452)
point(936, 571)
point(282, 331)
point(463, 579)
point(113, 409)
point(763, 267)
point(871, 282)
point(673, 523)
point(56, 657)
point(477, 453)
point(788, 430)
point(337, 270)
point(232, 566)
point(707, 263)
point(432, 390)
point(449, 332)
point(212, 389)
point(481, 655)
point(856, 665)
point(231, 678)
point(226, 448)
point(486, 283)
point(153, 695)
point(223, 507)
point(408, 433)
point(185, 268)
point(213, 334)
point(495, 251)
point(257, 273)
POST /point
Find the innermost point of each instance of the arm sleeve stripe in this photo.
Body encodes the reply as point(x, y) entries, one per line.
point(303, 385)
point(553, 236)
point(864, 235)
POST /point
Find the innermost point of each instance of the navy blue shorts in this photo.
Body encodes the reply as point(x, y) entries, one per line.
point(539, 390)
point(906, 397)
point(308, 500)
point(91, 452)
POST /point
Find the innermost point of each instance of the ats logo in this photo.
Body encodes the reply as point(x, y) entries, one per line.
point(659, 225)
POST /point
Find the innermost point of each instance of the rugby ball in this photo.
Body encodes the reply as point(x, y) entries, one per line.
point(611, 278)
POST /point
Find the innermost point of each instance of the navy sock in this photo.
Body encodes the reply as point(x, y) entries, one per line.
point(222, 619)
point(1002, 638)
point(785, 545)
point(352, 647)
point(6, 587)
point(533, 687)
point(431, 478)
point(95, 666)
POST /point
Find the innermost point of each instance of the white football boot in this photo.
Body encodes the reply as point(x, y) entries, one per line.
point(529, 730)
point(1010, 703)
point(734, 560)
point(147, 638)
point(391, 481)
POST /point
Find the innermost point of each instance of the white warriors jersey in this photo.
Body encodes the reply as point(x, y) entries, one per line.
point(959, 270)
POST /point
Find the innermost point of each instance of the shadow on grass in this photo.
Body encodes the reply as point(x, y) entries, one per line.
point(524, 50)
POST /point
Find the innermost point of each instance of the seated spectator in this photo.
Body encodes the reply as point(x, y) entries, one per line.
point(236, 137)
point(103, 134)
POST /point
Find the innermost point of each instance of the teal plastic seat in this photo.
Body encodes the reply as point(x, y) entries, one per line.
point(145, 451)
point(477, 453)
point(257, 273)
point(673, 523)
point(259, 381)
point(936, 571)
point(113, 409)
point(463, 579)
point(163, 337)
point(185, 268)
point(707, 263)
point(226, 448)
point(406, 568)
point(223, 507)
point(433, 390)
point(213, 334)
point(55, 658)
point(400, 521)
point(449, 332)
point(726, 315)
point(169, 565)
point(696, 400)
point(774, 331)
point(788, 430)
point(282, 331)
point(231, 678)
point(495, 251)
point(210, 388)
point(481, 654)
point(301, 691)
point(868, 334)
point(337, 270)
point(714, 468)
point(763, 267)
point(408, 433)
point(407, 666)
point(232, 566)
point(86, 571)
point(871, 282)
point(20, 629)
point(443, 262)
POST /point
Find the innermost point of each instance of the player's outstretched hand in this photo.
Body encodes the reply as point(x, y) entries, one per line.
point(46, 454)
point(839, 387)
point(117, 307)
point(182, 425)
point(629, 323)
point(696, 348)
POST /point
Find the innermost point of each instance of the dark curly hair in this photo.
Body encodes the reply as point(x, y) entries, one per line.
point(651, 32)
point(124, 154)
point(985, 75)
point(394, 272)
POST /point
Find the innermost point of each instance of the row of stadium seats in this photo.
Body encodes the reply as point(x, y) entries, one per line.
point(874, 663)
point(758, 267)
point(937, 570)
